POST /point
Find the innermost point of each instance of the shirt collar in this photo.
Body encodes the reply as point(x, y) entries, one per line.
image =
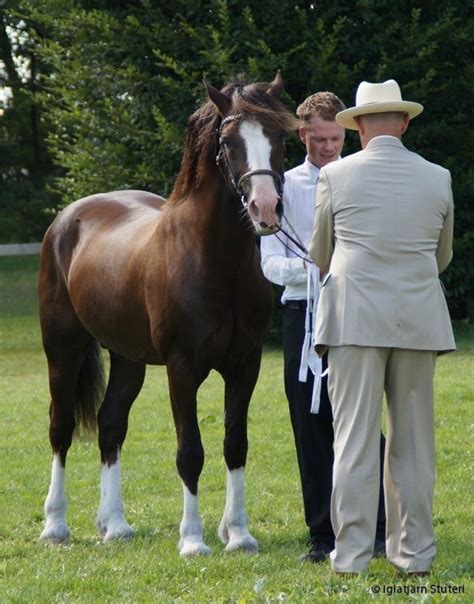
point(311, 170)
point(384, 139)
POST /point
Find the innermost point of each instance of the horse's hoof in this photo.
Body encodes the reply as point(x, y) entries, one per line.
point(244, 543)
point(56, 535)
point(119, 533)
point(114, 528)
point(193, 547)
point(115, 532)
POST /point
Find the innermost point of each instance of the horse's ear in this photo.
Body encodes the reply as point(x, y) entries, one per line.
point(221, 101)
point(276, 87)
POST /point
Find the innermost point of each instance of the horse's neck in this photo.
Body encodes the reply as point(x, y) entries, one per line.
point(221, 220)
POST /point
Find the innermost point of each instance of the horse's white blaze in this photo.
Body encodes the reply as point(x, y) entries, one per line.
point(55, 526)
point(190, 530)
point(233, 529)
point(110, 518)
point(263, 196)
point(257, 145)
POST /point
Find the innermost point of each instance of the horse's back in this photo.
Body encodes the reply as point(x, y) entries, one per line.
point(110, 209)
point(119, 216)
point(131, 198)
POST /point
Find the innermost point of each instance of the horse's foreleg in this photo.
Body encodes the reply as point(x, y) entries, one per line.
point(239, 385)
point(125, 382)
point(190, 455)
point(233, 529)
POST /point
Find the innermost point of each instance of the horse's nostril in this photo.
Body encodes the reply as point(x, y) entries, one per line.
point(264, 225)
point(279, 208)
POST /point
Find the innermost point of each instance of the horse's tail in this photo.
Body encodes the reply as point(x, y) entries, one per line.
point(90, 389)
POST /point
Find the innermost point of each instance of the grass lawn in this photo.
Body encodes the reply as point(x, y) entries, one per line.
point(148, 569)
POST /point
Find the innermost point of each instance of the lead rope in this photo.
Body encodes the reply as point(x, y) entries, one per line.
point(309, 359)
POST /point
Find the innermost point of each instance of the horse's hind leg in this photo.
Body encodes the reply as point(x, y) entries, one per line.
point(68, 356)
point(183, 386)
point(125, 382)
point(239, 385)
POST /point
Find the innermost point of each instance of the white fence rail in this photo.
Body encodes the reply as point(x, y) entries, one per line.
point(19, 249)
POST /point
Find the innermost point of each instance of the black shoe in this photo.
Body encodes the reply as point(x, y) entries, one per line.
point(318, 552)
point(379, 549)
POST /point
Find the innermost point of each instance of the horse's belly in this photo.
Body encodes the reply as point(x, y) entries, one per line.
point(122, 333)
point(112, 310)
point(131, 345)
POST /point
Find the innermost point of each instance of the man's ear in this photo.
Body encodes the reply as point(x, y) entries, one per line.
point(405, 123)
point(302, 134)
point(360, 124)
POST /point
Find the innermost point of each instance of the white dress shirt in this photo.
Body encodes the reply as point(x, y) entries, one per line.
point(284, 264)
point(282, 261)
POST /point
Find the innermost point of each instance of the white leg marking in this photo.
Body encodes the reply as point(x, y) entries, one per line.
point(110, 518)
point(190, 530)
point(233, 529)
point(55, 526)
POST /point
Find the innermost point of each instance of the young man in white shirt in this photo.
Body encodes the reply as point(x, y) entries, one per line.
point(285, 264)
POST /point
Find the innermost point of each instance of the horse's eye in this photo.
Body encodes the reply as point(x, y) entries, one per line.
point(226, 142)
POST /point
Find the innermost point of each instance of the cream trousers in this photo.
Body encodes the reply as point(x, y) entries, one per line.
point(358, 377)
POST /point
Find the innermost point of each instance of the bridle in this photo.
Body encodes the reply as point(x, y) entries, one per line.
point(222, 160)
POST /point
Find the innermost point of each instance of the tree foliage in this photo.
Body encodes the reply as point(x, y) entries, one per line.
point(24, 161)
point(117, 80)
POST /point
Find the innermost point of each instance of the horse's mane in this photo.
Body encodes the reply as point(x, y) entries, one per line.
point(201, 137)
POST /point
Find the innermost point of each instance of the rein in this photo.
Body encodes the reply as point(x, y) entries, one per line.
point(295, 240)
point(222, 160)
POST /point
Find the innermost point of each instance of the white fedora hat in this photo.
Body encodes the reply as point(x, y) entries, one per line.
point(377, 98)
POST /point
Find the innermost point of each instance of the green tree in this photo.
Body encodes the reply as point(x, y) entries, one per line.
point(24, 160)
point(120, 78)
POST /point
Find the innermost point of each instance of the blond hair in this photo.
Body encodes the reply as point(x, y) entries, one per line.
point(321, 104)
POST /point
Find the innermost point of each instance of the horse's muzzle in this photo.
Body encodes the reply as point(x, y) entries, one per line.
point(265, 229)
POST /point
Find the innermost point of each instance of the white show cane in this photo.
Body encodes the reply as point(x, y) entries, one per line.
point(309, 358)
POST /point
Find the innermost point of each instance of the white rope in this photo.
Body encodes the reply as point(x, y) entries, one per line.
point(309, 358)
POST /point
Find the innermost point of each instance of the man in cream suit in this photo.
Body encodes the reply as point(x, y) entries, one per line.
point(383, 232)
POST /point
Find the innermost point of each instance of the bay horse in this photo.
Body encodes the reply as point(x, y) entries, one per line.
point(175, 283)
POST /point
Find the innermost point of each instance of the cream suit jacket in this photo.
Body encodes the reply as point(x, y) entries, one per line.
point(383, 230)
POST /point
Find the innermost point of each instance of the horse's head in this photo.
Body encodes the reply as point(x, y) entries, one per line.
point(250, 147)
